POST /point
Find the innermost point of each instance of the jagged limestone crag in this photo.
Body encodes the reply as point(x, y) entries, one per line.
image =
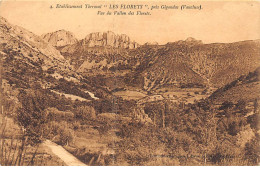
point(60, 38)
point(110, 39)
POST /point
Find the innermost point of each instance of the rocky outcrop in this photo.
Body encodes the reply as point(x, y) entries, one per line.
point(151, 43)
point(16, 38)
point(60, 38)
point(29, 50)
point(108, 39)
point(189, 41)
point(194, 41)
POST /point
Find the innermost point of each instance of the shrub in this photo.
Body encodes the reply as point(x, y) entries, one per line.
point(55, 114)
point(85, 113)
point(31, 115)
point(252, 151)
point(76, 125)
point(60, 132)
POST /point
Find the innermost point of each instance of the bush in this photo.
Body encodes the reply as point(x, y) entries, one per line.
point(60, 132)
point(85, 113)
point(76, 125)
point(55, 114)
point(31, 115)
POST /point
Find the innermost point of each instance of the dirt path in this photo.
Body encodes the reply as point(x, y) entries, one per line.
point(64, 155)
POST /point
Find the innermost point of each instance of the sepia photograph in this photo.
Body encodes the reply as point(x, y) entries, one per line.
point(129, 83)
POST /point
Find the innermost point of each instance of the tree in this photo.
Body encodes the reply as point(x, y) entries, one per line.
point(31, 115)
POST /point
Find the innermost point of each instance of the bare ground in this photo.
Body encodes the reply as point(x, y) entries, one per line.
point(64, 155)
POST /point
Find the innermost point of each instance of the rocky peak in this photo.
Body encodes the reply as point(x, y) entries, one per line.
point(60, 38)
point(189, 41)
point(193, 40)
point(109, 39)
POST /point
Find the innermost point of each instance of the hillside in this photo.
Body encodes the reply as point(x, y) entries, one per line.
point(182, 64)
point(17, 39)
point(245, 88)
point(29, 62)
point(191, 64)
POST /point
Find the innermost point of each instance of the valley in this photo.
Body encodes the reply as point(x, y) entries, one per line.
point(108, 100)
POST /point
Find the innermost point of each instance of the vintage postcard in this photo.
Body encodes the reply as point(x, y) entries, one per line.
point(129, 83)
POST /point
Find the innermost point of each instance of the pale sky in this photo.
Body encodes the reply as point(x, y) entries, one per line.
point(216, 22)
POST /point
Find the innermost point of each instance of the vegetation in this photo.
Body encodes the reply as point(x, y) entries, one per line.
point(108, 130)
point(203, 133)
point(13, 150)
point(198, 134)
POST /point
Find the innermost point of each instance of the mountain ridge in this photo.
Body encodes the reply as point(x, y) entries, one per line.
point(186, 63)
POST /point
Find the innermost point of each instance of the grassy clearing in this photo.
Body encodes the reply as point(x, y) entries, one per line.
point(129, 94)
